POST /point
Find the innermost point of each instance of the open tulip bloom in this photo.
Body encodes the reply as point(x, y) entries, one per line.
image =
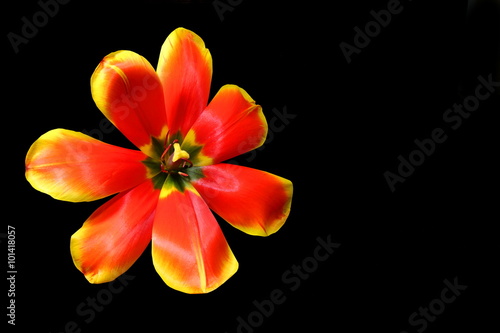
point(165, 191)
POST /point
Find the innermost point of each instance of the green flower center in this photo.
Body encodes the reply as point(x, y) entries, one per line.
point(173, 164)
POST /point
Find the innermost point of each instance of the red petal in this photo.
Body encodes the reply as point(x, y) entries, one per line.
point(190, 252)
point(126, 88)
point(72, 166)
point(185, 70)
point(251, 200)
point(116, 234)
point(231, 125)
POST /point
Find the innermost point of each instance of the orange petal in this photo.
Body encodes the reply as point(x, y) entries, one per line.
point(126, 88)
point(116, 234)
point(72, 166)
point(185, 70)
point(190, 252)
point(232, 124)
point(251, 200)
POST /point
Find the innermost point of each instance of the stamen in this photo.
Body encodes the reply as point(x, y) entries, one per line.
point(186, 161)
point(162, 157)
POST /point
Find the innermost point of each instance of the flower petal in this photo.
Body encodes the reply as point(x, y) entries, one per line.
point(232, 124)
point(251, 200)
point(185, 70)
point(190, 252)
point(116, 234)
point(72, 166)
point(126, 88)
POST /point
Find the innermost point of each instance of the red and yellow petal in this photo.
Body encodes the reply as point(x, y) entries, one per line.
point(251, 200)
point(126, 88)
point(189, 250)
point(185, 70)
point(72, 166)
point(231, 125)
point(116, 234)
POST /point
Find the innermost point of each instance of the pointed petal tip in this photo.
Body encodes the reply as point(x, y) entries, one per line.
point(184, 58)
point(254, 201)
point(190, 289)
point(115, 235)
point(93, 276)
point(189, 250)
point(128, 91)
point(75, 167)
point(231, 125)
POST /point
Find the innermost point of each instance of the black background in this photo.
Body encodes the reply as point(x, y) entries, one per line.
point(352, 121)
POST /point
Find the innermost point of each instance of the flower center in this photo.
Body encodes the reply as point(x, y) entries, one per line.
point(176, 161)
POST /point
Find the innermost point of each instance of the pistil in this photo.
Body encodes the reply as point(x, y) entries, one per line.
point(175, 162)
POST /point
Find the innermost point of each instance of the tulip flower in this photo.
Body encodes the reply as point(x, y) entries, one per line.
point(164, 192)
